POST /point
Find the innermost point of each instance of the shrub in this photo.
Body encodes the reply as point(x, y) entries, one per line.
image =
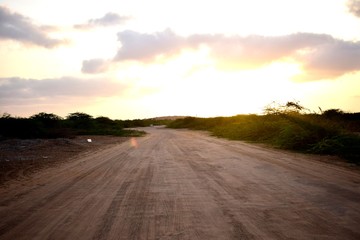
point(287, 129)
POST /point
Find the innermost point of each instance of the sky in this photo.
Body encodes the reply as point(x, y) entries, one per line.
point(144, 59)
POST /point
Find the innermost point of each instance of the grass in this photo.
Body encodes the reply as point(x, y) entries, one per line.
point(292, 130)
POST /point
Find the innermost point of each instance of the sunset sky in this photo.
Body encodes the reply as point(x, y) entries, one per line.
point(142, 59)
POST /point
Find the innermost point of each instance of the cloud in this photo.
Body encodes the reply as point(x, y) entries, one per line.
point(145, 47)
point(94, 66)
point(331, 60)
point(14, 26)
point(255, 51)
point(354, 7)
point(18, 88)
point(320, 55)
point(250, 50)
point(109, 19)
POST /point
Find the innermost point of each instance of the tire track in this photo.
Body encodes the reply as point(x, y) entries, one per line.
point(239, 229)
point(22, 217)
point(185, 185)
point(111, 213)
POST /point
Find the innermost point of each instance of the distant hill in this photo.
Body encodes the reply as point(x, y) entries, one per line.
point(169, 118)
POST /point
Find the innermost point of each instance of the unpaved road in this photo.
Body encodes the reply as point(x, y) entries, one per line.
point(179, 184)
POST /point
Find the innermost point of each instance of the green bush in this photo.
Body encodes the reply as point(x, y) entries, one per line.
point(329, 133)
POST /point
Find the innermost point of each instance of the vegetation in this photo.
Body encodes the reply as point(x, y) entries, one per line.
point(289, 126)
point(49, 125)
point(145, 122)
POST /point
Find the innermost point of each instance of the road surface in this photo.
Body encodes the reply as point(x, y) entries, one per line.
point(180, 184)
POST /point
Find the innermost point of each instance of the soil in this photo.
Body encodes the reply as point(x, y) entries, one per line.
point(19, 158)
point(180, 184)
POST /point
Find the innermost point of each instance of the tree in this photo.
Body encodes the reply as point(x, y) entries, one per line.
point(79, 116)
point(47, 119)
point(333, 113)
point(45, 116)
point(79, 120)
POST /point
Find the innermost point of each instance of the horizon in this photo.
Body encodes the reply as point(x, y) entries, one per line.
point(170, 116)
point(137, 60)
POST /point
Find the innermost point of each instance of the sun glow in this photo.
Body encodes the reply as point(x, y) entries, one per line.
point(192, 84)
point(228, 93)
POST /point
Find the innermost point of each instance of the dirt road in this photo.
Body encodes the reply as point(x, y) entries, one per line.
point(179, 184)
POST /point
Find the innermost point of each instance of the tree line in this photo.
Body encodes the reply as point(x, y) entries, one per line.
point(49, 125)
